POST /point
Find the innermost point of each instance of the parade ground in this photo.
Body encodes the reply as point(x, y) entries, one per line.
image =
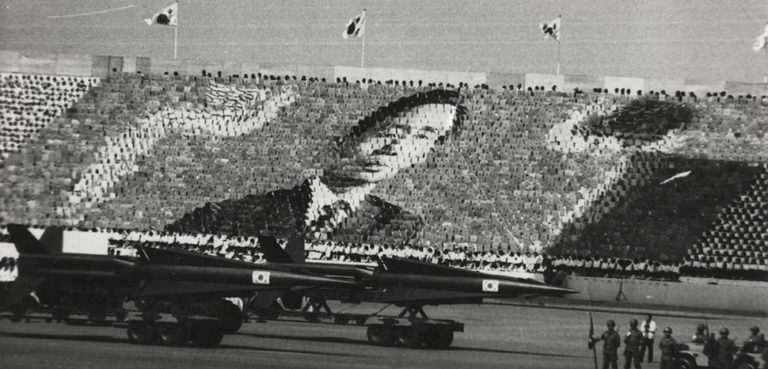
point(496, 336)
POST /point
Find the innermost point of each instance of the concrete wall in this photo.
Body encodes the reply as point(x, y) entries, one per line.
point(634, 84)
point(701, 87)
point(37, 63)
point(668, 85)
point(582, 82)
point(9, 61)
point(747, 298)
point(426, 76)
point(101, 65)
point(547, 80)
point(505, 79)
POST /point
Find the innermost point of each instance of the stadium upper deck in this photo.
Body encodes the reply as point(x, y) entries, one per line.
point(580, 173)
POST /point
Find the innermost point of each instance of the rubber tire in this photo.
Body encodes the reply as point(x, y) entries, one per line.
point(439, 338)
point(172, 334)
point(205, 336)
point(746, 365)
point(381, 335)
point(408, 337)
point(141, 333)
point(683, 364)
point(233, 317)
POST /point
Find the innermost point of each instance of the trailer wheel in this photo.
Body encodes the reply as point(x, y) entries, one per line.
point(172, 334)
point(381, 335)
point(206, 336)
point(683, 363)
point(439, 338)
point(745, 365)
point(141, 333)
point(408, 337)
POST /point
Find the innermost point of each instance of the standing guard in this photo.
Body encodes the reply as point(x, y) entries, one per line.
point(611, 343)
point(632, 341)
point(700, 336)
point(668, 348)
point(726, 349)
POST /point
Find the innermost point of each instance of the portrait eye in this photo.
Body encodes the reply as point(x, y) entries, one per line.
point(421, 136)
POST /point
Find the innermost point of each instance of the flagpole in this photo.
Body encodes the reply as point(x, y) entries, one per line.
point(175, 39)
point(176, 31)
point(362, 53)
point(559, 26)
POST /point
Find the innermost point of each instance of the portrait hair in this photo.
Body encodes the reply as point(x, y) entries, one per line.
point(383, 118)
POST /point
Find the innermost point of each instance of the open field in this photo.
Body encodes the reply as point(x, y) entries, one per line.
point(496, 336)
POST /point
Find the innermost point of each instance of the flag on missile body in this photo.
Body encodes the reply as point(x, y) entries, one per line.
point(676, 176)
point(761, 42)
point(355, 27)
point(551, 29)
point(165, 17)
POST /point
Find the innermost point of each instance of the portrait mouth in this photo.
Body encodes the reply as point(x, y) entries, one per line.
point(373, 166)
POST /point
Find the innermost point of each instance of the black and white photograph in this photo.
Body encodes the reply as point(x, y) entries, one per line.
point(383, 184)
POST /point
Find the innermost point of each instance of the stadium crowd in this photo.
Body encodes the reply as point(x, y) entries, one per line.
point(125, 242)
point(30, 102)
point(498, 166)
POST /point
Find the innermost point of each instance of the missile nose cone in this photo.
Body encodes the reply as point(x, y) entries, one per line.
point(526, 287)
point(563, 290)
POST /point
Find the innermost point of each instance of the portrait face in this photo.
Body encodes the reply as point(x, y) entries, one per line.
point(408, 140)
point(394, 137)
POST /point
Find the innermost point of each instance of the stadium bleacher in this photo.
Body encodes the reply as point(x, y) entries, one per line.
point(574, 176)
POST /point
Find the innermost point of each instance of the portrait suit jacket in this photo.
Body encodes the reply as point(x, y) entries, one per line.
point(283, 213)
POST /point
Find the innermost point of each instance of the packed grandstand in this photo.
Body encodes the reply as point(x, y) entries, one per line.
point(643, 184)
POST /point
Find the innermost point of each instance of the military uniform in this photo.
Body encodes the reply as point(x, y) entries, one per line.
point(611, 343)
point(726, 349)
point(668, 348)
point(755, 343)
point(699, 336)
point(632, 342)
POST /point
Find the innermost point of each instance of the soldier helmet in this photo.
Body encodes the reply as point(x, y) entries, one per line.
point(754, 329)
point(633, 323)
point(700, 327)
point(668, 330)
point(724, 331)
point(610, 323)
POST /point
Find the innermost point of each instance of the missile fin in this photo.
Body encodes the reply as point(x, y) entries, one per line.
point(25, 242)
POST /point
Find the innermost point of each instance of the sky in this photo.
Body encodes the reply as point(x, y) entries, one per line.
point(695, 39)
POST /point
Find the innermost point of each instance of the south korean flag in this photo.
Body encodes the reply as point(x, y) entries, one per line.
point(260, 277)
point(355, 26)
point(551, 29)
point(490, 285)
point(165, 17)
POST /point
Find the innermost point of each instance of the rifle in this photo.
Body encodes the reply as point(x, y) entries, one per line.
point(591, 342)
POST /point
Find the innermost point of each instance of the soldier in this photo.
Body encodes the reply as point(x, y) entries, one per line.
point(755, 343)
point(632, 342)
point(711, 349)
point(764, 355)
point(668, 348)
point(611, 343)
point(726, 349)
point(699, 336)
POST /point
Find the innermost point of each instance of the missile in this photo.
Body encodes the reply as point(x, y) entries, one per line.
point(480, 284)
point(236, 276)
point(110, 267)
point(38, 263)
